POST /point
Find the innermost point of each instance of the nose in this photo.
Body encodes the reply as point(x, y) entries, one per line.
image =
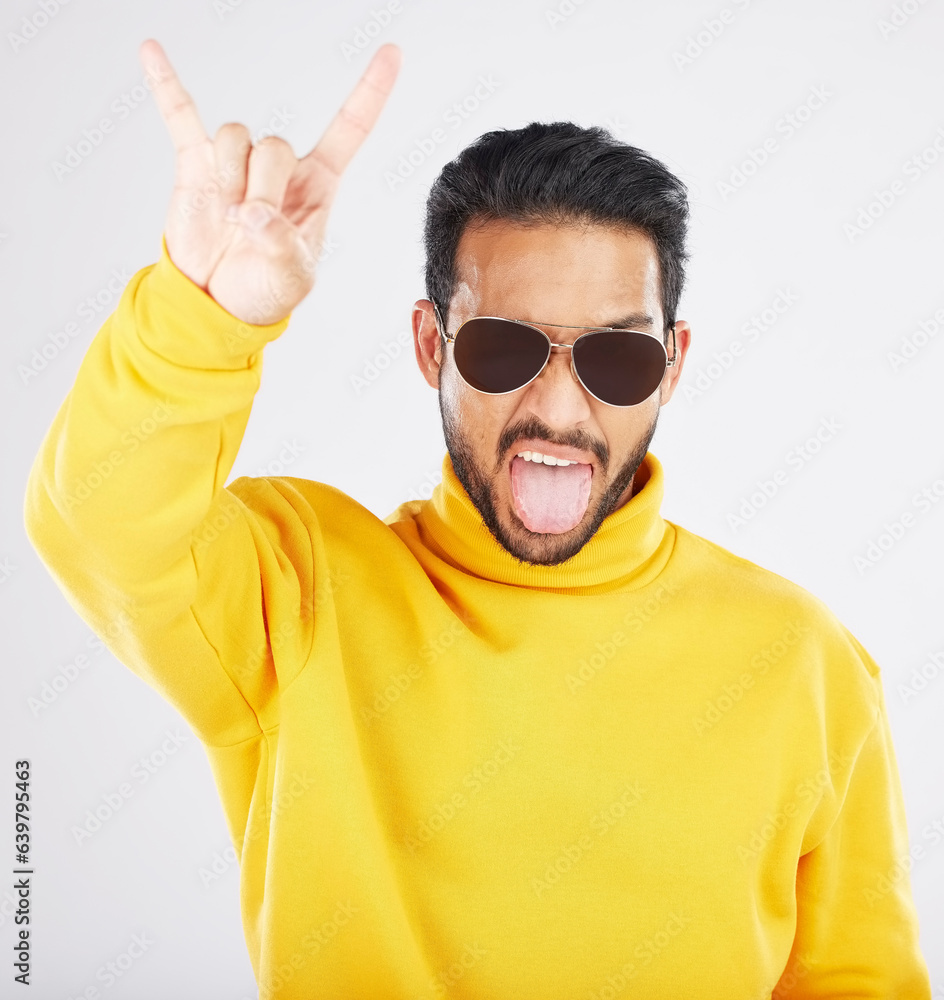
point(557, 396)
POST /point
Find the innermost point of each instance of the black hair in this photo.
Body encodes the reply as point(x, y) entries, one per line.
point(555, 173)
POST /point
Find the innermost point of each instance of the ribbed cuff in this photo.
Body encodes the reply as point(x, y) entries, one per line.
point(184, 324)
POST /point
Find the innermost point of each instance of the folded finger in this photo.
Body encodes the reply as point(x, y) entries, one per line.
point(231, 149)
point(271, 164)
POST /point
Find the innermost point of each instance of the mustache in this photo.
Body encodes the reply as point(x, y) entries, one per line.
point(534, 428)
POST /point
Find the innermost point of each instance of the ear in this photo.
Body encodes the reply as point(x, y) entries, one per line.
point(683, 337)
point(426, 341)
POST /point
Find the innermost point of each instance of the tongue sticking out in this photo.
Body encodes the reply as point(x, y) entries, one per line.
point(550, 498)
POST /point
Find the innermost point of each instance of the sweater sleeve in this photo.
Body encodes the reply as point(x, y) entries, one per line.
point(125, 504)
point(857, 927)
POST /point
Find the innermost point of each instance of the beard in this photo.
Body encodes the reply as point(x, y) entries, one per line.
point(526, 546)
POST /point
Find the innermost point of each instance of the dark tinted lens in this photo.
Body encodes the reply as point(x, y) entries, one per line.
point(496, 355)
point(622, 367)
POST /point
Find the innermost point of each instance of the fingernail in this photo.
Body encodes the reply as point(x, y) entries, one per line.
point(232, 213)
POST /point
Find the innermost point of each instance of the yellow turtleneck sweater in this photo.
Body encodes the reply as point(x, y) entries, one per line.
point(657, 770)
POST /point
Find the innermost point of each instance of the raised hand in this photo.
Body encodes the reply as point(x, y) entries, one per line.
point(246, 222)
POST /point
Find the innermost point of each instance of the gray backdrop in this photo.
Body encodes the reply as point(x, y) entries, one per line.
point(812, 138)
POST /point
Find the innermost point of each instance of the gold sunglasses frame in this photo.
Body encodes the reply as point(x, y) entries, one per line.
point(669, 362)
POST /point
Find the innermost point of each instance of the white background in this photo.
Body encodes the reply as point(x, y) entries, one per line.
point(657, 76)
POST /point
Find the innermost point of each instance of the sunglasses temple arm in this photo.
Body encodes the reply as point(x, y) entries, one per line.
point(439, 321)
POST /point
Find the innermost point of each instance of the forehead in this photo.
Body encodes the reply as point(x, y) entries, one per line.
point(573, 273)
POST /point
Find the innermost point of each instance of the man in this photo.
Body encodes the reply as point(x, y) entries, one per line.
point(526, 739)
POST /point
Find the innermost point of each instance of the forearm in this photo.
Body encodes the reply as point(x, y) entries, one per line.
point(140, 449)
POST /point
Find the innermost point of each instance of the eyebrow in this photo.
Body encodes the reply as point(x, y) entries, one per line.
point(631, 322)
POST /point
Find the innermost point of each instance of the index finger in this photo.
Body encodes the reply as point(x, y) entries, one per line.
point(174, 103)
point(350, 126)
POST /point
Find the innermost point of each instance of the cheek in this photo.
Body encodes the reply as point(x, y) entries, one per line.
point(462, 404)
point(624, 434)
point(482, 419)
point(449, 386)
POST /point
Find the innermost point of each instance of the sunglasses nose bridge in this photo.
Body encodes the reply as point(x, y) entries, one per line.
point(557, 348)
point(573, 367)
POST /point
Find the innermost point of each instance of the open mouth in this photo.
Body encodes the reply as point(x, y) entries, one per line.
point(550, 494)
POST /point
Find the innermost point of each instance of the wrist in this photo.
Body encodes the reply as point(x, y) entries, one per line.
point(178, 319)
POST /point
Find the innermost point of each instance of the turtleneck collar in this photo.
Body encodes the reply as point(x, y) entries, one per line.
point(629, 549)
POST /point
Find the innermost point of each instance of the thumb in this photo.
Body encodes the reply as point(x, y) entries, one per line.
point(263, 225)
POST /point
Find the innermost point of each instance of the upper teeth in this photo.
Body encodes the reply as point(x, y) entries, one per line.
point(536, 456)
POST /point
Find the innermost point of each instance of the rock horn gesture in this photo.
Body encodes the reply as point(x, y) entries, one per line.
point(246, 222)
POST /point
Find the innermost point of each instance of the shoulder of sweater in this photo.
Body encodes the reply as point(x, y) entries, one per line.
point(275, 491)
point(312, 502)
point(740, 579)
point(321, 509)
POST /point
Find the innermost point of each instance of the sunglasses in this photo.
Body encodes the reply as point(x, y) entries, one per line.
point(618, 367)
